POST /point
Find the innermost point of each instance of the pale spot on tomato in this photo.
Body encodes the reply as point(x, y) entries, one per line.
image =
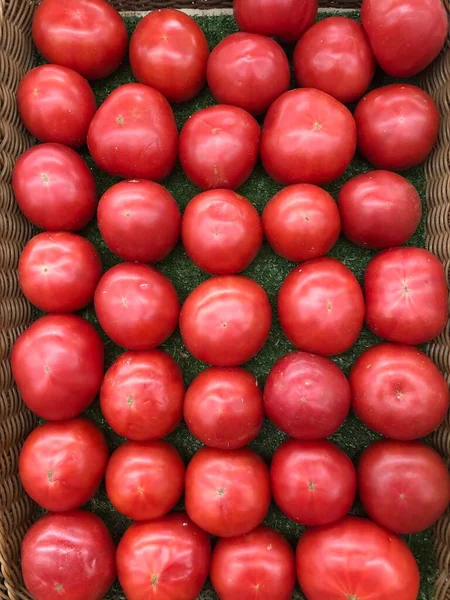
point(329, 305)
point(124, 302)
point(220, 491)
point(140, 489)
point(351, 38)
point(249, 57)
point(154, 580)
point(128, 214)
point(352, 597)
point(46, 368)
point(214, 130)
point(45, 270)
point(44, 177)
point(35, 92)
point(303, 400)
point(402, 496)
point(50, 475)
point(269, 547)
point(311, 486)
point(130, 400)
point(317, 126)
point(59, 587)
point(165, 37)
point(120, 120)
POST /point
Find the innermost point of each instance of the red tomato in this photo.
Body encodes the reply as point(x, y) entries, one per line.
point(134, 134)
point(225, 321)
point(167, 558)
point(321, 307)
point(259, 565)
point(58, 366)
point(62, 464)
point(142, 395)
point(145, 480)
point(306, 396)
point(139, 220)
point(406, 295)
point(136, 306)
point(56, 105)
point(410, 118)
point(379, 209)
point(241, 66)
point(221, 232)
point(398, 391)
point(88, 36)
point(356, 558)
point(219, 147)
point(69, 555)
point(223, 408)
point(307, 137)
point(227, 491)
point(301, 222)
point(168, 52)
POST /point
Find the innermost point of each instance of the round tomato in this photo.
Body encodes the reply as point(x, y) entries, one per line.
point(62, 464)
point(227, 491)
point(398, 391)
point(397, 126)
point(166, 558)
point(58, 366)
point(133, 134)
point(139, 220)
point(219, 147)
point(225, 321)
point(301, 222)
point(321, 307)
point(56, 105)
point(68, 555)
point(221, 232)
point(406, 295)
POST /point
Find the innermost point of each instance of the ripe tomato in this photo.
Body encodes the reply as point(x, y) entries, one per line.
point(134, 134)
point(240, 67)
point(51, 95)
point(168, 52)
point(307, 137)
point(145, 480)
point(219, 147)
point(88, 36)
point(69, 555)
point(139, 220)
point(225, 321)
point(410, 118)
point(398, 391)
point(142, 395)
point(306, 396)
point(221, 232)
point(58, 366)
point(321, 307)
point(137, 306)
point(301, 222)
point(406, 295)
point(356, 558)
point(259, 565)
point(166, 558)
point(223, 408)
point(227, 491)
point(379, 209)
point(62, 464)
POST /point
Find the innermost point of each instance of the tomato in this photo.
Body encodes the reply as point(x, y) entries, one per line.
point(307, 137)
point(397, 126)
point(241, 66)
point(398, 391)
point(306, 396)
point(225, 321)
point(88, 36)
point(58, 366)
point(168, 52)
point(61, 464)
point(227, 491)
point(68, 555)
point(167, 558)
point(142, 395)
point(301, 222)
point(139, 220)
point(259, 565)
point(221, 232)
point(50, 95)
point(406, 295)
point(145, 480)
point(136, 306)
point(379, 209)
point(223, 408)
point(219, 147)
point(321, 307)
point(356, 558)
point(133, 134)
